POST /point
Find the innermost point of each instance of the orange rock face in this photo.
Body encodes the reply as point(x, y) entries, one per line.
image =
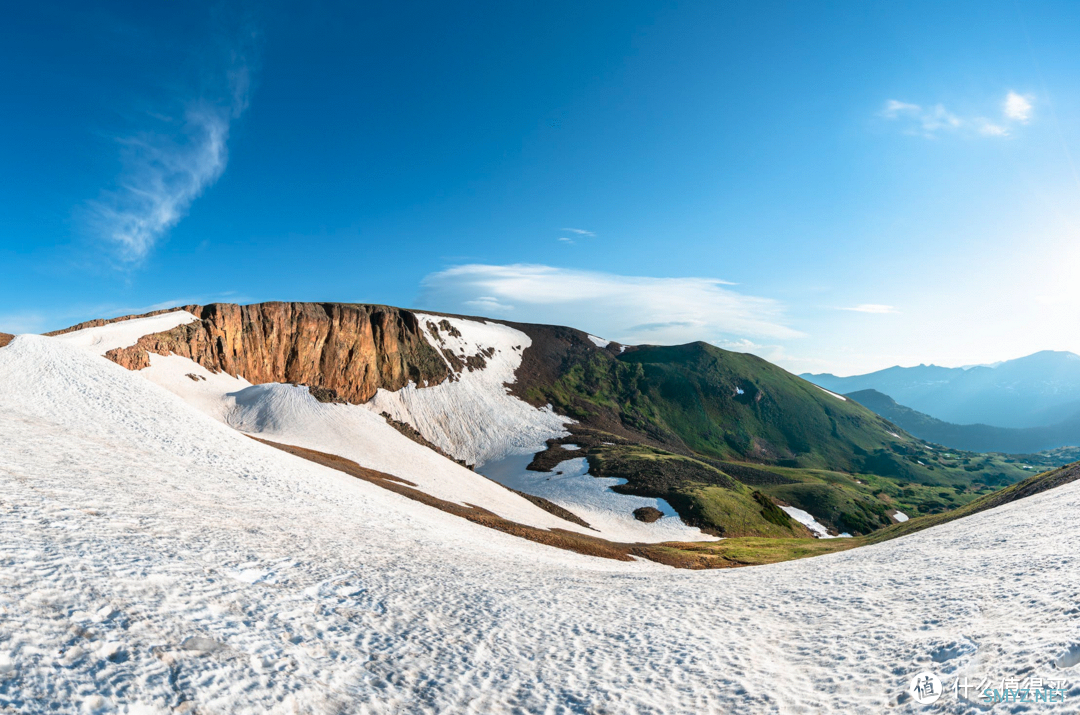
point(351, 349)
point(5, 339)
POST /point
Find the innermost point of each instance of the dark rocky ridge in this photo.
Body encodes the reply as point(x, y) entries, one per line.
point(352, 350)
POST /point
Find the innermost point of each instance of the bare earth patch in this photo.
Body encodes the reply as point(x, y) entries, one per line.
point(5, 339)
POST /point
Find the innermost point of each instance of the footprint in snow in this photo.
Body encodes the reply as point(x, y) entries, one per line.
point(1070, 657)
point(201, 644)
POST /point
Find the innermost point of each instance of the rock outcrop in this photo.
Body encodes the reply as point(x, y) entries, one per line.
point(5, 338)
point(349, 349)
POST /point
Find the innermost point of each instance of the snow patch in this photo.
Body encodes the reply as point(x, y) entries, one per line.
point(839, 397)
point(599, 342)
point(572, 487)
point(807, 519)
point(900, 516)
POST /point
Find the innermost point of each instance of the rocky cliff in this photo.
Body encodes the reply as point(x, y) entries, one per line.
point(5, 339)
point(350, 349)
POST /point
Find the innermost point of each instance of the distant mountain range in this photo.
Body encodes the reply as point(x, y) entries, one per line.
point(1039, 390)
point(976, 437)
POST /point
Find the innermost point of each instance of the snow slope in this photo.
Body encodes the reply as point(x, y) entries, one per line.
point(124, 333)
point(474, 417)
point(152, 559)
point(289, 414)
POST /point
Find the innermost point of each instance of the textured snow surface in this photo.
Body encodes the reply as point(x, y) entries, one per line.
point(611, 514)
point(124, 333)
point(290, 415)
point(474, 417)
point(153, 558)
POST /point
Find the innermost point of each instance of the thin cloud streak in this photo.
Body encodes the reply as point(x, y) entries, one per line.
point(627, 309)
point(875, 308)
point(169, 167)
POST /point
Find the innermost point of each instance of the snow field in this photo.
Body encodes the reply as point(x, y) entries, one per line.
point(151, 556)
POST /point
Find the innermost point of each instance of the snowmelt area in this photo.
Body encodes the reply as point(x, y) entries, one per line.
point(155, 560)
point(474, 417)
point(124, 333)
point(807, 519)
point(612, 514)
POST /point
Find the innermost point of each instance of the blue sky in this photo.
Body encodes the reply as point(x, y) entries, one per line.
point(835, 187)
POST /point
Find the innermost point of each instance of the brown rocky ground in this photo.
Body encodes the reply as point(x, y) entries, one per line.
point(5, 338)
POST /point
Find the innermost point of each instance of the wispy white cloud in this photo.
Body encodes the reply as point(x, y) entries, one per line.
point(564, 239)
point(168, 166)
point(990, 129)
point(928, 120)
point(932, 121)
point(488, 305)
point(1018, 107)
point(579, 231)
point(872, 308)
point(628, 309)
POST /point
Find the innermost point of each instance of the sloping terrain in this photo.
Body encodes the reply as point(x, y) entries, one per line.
point(154, 559)
point(665, 430)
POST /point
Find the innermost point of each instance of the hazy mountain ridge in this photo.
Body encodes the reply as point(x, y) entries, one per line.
point(976, 437)
point(1036, 390)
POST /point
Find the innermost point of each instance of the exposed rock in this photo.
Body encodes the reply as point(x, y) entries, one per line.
point(326, 395)
point(552, 508)
point(351, 349)
point(445, 325)
point(5, 338)
point(648, 514)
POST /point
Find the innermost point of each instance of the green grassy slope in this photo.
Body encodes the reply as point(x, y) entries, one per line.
point(707, 429)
